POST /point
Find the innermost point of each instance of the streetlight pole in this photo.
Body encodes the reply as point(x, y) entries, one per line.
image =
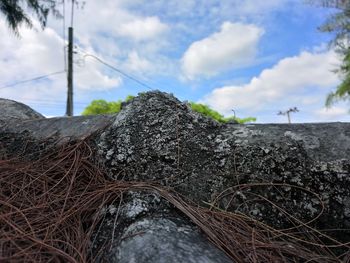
point(295, 109)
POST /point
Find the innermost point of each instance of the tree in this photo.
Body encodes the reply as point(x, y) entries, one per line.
point(339, 25)
point(207, 111)
point(15, 14)
point(103, 107)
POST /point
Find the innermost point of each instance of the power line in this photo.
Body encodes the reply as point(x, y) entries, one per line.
point(119, 71)
point(33, 79)
point(47, 101)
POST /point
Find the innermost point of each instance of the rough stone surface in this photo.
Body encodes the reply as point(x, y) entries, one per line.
point(28, 137)
point(265, 170)
point(156, 137)
point(146, 228)
point(60, 127)
point(15, 110)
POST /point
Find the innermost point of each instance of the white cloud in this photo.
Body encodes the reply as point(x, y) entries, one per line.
point(137, 64)
point(233, 47)
point(143, 28)
point(90, 77)
point(114, 30)
point(288, 81)
point(37, 53)
point(107, 30)
point(336, 112)
point(32, 54)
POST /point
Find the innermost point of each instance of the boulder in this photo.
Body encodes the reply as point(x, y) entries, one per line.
point(287, 176)
point(147, 228)
point(302, 168)
point(11, 109)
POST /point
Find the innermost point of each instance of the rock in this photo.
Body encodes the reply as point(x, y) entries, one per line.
point(36, 136)
point(155, 137)
point(146, 228)
point(284, 175)
point(300, 167)
point(15, 110)
point(73, 128)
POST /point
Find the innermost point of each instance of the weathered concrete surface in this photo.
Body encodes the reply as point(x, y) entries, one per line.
point(146, 228)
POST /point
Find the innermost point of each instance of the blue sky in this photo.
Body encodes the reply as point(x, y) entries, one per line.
point(256, 57)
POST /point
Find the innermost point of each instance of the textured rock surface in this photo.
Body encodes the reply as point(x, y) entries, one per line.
point(156, 137)
point(30, 136)
point(15, 110)
point(300, 169)
point(64, 127)
point(146, 228)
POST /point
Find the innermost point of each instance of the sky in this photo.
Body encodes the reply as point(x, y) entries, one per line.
point(254, 58)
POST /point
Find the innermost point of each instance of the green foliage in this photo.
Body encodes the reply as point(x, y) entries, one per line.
point(343, 90)
point(103, 107)
point(205, 110)
point(339, 25)
point(243, 120)
point(129, 97)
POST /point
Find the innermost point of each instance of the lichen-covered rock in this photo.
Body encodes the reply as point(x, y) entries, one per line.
point(157, 138)
point(284, 175)
point(281, 170)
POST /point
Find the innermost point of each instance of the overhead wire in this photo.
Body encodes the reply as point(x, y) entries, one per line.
point(32, 79)
point(58, 102)
point(65, 59)
point(118, 70)
point(86, 55)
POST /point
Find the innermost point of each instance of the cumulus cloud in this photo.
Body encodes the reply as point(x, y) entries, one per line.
point(90, 77)
point(38, 53)
point(143, 28)
point(29, 55)
point(290, 79)
point(135, 63)
point(235, 45)
point(336, 112)
point(109, 31)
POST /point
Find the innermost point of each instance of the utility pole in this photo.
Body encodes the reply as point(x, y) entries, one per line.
point(69, 109)
point(295, 109)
